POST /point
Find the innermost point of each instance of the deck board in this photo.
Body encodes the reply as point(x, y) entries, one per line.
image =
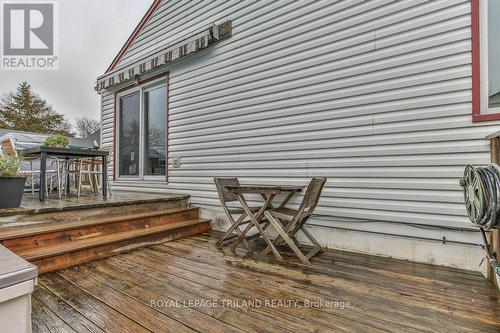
point(386, 295)
point(63, 310)
point(30, 203)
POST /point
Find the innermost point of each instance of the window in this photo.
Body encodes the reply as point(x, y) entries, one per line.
point(129, 124)
point(155, 144)
point(142, 132)
point(486, 59)
point(492, 70)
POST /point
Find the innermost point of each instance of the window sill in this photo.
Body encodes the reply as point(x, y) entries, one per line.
point(476, 118)
point(135, 180)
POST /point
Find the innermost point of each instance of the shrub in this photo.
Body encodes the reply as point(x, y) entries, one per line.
point(10, 166)
point(56, 141)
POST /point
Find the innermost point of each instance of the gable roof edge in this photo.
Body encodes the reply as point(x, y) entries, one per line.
point(133, 36)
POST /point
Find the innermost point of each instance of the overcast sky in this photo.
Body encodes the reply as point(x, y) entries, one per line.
point(91, 34)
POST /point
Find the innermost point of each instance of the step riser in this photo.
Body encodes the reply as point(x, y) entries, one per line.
point(74, 258)
point(70, 235)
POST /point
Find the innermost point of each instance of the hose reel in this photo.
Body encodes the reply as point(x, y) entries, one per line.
point(481, 187)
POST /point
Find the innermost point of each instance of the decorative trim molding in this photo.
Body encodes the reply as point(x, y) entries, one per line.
point(170, 54)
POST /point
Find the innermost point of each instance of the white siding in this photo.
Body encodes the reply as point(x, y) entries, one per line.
point(107, 121)
point(375, 95)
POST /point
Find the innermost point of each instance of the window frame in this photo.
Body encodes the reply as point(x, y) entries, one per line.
point(479, 29)
point(117, 129)
point(141, 87)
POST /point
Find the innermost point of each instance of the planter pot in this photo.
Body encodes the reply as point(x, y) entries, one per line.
point(11, 191)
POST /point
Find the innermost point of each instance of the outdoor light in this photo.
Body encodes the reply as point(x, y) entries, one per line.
point(214, 31)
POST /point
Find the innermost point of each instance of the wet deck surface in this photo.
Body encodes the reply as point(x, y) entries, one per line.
point(188, 285)
point(32, 205)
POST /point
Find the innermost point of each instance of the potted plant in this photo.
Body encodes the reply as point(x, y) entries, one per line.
point(11, 182)
point(56, 141)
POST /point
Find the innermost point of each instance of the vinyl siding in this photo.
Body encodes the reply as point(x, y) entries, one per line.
point(375, 95)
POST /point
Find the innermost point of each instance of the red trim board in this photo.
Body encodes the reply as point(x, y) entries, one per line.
point(133, 36)
point(476, 67)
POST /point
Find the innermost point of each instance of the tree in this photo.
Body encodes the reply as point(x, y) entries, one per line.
point(27, 111)
point(86, 126)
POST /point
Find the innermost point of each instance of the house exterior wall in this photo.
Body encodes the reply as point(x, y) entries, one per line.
point(375, 95)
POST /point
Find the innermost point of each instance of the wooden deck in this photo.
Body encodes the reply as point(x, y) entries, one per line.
point(61, 233)
point(188, 285)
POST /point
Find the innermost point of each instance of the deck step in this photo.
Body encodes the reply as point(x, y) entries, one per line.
point(58, 249)
point(41, 226)
point(46, 235)
point(58, 240)
point(99, 251)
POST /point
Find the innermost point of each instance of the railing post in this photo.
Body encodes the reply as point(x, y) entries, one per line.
point(495, 234)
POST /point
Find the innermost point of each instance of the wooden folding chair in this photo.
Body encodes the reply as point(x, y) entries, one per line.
point(288, 222)
point(226, 197)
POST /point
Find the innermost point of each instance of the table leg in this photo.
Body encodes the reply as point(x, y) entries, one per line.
point(278, 238)
point(104, 177)
point(286, 237)
point(255, 221)
point(258, 216)
point(43, 168)
point(78, 179)
point(68, 183)
point(95, 182)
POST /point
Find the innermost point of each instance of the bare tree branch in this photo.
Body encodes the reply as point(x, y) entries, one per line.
point(86, 126)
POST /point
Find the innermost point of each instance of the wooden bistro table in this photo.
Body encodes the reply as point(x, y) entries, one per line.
point(268, 193)
point(67, 153)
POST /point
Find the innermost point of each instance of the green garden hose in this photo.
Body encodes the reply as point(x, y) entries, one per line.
point(481, 186)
